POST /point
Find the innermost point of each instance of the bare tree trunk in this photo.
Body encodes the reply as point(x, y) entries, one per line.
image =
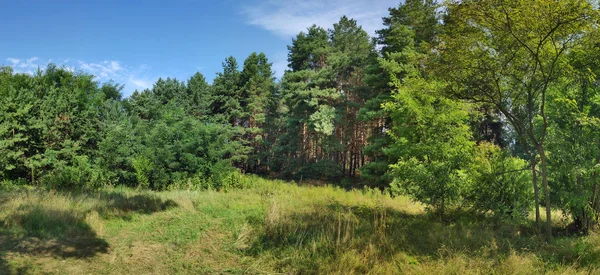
point(536, 193)
point(542, 152)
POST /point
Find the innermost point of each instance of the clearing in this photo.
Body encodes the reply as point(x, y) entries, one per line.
point(268, 227)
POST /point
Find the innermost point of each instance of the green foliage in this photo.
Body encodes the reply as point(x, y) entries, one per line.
point(179, 147)
point(498, 183)
point(412, 26)
point(574, 135)
point(258, 85)
point(439, 106)
point(143, 168)
point(319, 99)
point(433, 142)
point(308, 50)
point(418, 16)
point(80, 173)
point(199, 97)
point(64, 130)
point(511, 54)
point(50, 120)
point(227, 98)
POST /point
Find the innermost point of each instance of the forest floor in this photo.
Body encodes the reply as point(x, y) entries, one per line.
point(273, 227)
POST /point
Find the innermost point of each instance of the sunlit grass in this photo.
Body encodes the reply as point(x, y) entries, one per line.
point(268, 227)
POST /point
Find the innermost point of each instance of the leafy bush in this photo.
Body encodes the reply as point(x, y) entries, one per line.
point(143, 168)
point(78, 174)
point(499, 183)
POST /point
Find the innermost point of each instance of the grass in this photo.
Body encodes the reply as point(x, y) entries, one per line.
point(269, 227)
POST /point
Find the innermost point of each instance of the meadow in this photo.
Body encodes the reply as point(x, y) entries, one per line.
point(268, 227)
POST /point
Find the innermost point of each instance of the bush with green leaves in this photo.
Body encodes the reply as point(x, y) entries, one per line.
point(80, 173)
point(498, 183)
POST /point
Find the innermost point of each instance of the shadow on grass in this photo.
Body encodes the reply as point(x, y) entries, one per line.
point(122, 206)
point(37, 231)
point(41, 230)
point(329, 231)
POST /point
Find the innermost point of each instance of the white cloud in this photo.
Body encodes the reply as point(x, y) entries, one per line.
point(105, 70)
point(133, 77)
point(14, 61)
point(138, 83)
point(114, 65)
point(29, 64)
point(26, 66)
point(287, 18)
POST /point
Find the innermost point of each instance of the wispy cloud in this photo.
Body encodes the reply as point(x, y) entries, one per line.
point(105, 70)
point(28, 65)
point(139, 83)
point(14, 61)
point(134, 77)
point(287, 18)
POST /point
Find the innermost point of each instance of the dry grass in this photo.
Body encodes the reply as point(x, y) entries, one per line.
point(271, 227)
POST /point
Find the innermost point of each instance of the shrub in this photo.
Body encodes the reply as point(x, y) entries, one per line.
point(499, 183)
point(143, 167)
point(81, 173)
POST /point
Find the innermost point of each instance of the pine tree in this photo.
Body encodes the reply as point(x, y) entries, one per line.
point(257, 84)
point(413, 26)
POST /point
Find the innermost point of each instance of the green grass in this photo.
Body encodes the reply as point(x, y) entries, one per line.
point(269, 227)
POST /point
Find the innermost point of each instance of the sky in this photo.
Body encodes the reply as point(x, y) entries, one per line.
point(134, 42)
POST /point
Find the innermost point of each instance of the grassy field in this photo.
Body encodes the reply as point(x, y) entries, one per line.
point(269, 227)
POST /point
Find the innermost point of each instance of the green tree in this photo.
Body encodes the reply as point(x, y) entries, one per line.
point(419, 16)
point(20, 127)
point(573, 136)
point(413, 25)
point(199, 97)
point(309, 50)
point(498, 184)
point(257, 85)
point(432, 139)
point(353, 50)
point(508, 53)
point(170, 89)
point(322, 94)
point(226, 93)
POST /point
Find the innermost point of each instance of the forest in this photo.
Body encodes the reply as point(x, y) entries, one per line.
point(479, 112)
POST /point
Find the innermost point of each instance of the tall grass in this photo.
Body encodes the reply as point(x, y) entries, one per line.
point(265, 226)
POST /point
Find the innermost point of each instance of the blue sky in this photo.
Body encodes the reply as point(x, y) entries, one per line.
point(136, 42)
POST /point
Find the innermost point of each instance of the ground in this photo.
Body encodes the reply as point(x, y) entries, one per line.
point(267, 227)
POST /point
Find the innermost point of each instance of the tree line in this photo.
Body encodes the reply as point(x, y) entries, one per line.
point(487, 105)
